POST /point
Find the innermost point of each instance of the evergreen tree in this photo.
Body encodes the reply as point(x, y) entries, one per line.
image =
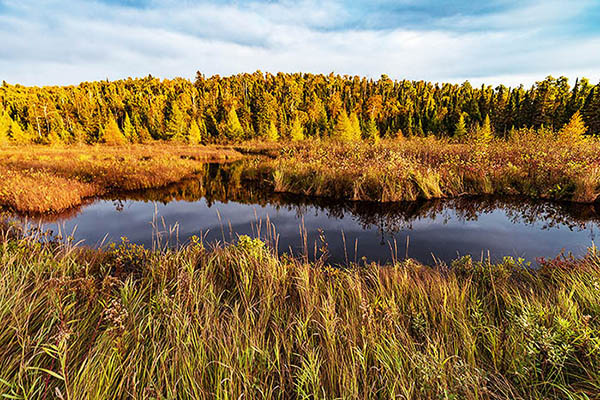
point(111, 134)
point(297, 131)
point(129, 130)
point(574, 130)
point(356, 133)
point(18, 134)
point(233, 129)
point(484, 133)
point(5, 123)
point(272, 134)
point(195, 136)
point(343, 129)
point(371, 131)
point(460, 131)
point(176, 126)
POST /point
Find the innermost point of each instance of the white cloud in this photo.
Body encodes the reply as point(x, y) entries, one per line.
point(46, 43)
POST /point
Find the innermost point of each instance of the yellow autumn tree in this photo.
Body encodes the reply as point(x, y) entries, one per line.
point(355, 132)
point(272, 133)
point(297, 131)
point(195, 136)
point(5, 122)
point(112, 135)
point(574, 130)
point(342, 129)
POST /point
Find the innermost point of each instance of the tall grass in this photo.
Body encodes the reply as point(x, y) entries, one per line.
point(531, 164)
point(44, 179)
point(237, 322)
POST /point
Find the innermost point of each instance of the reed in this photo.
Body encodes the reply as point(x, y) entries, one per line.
point(236, 321)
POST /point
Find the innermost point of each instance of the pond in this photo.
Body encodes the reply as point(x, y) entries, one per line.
point(219, 205)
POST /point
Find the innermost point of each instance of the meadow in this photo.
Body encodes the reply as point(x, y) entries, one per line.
point(44, 179)
point(237, 321)
point(424, 168)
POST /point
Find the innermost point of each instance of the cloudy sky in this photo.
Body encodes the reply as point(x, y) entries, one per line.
point(44, 42)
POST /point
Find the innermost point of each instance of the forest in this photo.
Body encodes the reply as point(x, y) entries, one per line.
point(270, 107)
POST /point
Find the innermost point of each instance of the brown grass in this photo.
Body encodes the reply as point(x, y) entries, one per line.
point(39, 179)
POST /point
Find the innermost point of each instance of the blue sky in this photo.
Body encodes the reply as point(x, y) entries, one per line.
point(44, 42)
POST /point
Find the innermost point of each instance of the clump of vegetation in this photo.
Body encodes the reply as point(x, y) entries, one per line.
point(236, 321)
point(50, 179)
point(532, 163)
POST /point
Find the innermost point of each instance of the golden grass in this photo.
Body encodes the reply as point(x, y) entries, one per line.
point(425, 168)
point(238, 322)
point(38, 179)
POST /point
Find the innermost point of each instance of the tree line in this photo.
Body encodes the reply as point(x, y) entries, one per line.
point(285, 106)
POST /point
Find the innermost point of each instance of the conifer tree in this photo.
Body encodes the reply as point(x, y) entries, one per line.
point(194, 137)
point(343, 129)
point(297, 132)
point(484, 133)
point(371, 131)
point(176, 125)
point(18, 134)
point(460, 131)
point(355, 127)
point(129, 130)
point(272, 133)
point(111, 134)
point(233, 129)
point(5, 122)
point(574, 130)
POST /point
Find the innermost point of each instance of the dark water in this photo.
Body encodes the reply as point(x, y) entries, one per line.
point(219, 206)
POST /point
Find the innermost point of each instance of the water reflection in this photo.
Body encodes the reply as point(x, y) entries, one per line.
point(225, 198)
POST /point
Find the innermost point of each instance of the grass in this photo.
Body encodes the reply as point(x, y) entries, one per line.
point(41, 179)
point(238, 322)
point(45, 179)
point(424, 168)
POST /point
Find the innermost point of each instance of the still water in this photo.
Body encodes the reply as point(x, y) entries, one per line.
point(219, 206)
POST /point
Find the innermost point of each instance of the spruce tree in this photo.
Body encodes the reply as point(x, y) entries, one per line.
point(460, 131)
point(18, 134)
point(5, 122)
point(371, 131)
point(484, 133)
point(574, 130)
point(129, 130)
point(272, 134)
point(343, 129)
point(111, 134)
point(356, 133)
point(233, 129)
point(297, 132)
point(195, 136)
point(176, 125)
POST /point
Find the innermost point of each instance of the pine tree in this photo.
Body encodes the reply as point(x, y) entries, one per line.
point(343, 129)
point(460, 131)
point(297, 132)
point(484, 133)
point(194, 137)
point(233, 129)
point(371, 131)
point(111, 134)
point(272, 134)
point(574, 130)
point(356, 133)
point(129, 130)
point(5, 122)
point(18, 134)
point(176, 126)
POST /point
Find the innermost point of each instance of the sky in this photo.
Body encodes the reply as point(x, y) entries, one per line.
point(52, 42)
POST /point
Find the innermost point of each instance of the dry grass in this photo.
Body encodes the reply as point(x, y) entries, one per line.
point(39, 179)
point(531, 165)
point(238, 322)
